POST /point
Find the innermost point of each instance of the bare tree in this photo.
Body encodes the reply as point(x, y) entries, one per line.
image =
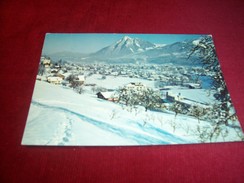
point(41, 69)
point(133, 97)
point(223, 111)
point(197, 112)
point(176, 108)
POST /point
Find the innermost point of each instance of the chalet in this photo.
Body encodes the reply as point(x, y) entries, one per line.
point(123, 73)
point(187, 102)
point(172, 87)
point(172, 97)
point(60, 75)
point(57, 67)
point(114, 73)
point(110, 96)
point(54, 79)
point(136, 86)
point(192, 85)
point(80, 79)
point(46, 61)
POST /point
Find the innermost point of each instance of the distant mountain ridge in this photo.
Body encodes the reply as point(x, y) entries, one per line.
point(137, 51)
point(67, 56)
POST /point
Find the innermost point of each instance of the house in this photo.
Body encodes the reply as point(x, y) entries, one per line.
point(54, 79)
point(46, 61)
point(57, 66)
point(115, 73)
point(136, 86)
point(60, 75)
point(54, 71)
point(110, 96)
point(192, 85)
point(185, 101)
point(80, 79)
point(170, 97)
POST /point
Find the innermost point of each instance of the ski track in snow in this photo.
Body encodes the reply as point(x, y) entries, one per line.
point(63, 133)
point(151, 135)
point(148, 128)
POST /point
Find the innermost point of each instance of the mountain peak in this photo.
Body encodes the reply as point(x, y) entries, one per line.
point(124, 47)
point(126, 38)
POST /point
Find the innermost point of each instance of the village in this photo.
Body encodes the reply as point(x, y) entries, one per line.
point(185, 85)
point(144, 98)
point(154, 104)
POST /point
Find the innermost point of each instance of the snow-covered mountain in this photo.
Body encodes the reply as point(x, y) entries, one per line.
point(124, 47)
point(176, 53)
point(134, 50)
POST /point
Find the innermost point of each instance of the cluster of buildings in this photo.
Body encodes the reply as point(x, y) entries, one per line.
point(171, 77)
point(163, 74)
point(168, 96)
point(113, 96)
point(166, 74)
point(56, 73)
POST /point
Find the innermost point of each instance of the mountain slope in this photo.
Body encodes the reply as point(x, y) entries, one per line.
point(123, 47)
point(176, 53)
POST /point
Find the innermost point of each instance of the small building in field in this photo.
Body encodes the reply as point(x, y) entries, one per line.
point(185, 101)
point(80, 79)
point(60, 75)
point(54, 71)
point(192, 85)
point(136, 86)
point(170, 97)
point(54, 80)
point(46, 61)
point(110, 96)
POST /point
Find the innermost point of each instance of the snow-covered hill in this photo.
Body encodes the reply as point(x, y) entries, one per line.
point(59, 116)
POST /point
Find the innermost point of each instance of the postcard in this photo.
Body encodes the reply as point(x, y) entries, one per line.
point(129, 90)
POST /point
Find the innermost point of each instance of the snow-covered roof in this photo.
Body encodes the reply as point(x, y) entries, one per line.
point(171, 88)
point(192, 103)
point(132, 84)
point(196, 85)
point(81, 78)
point(53, 78)
point(107, 94)
point(196, 95)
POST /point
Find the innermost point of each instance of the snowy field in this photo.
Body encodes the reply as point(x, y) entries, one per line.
point(114, 82)
point(60, 116)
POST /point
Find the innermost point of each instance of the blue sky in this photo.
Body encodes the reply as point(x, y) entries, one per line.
point(88, 43)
